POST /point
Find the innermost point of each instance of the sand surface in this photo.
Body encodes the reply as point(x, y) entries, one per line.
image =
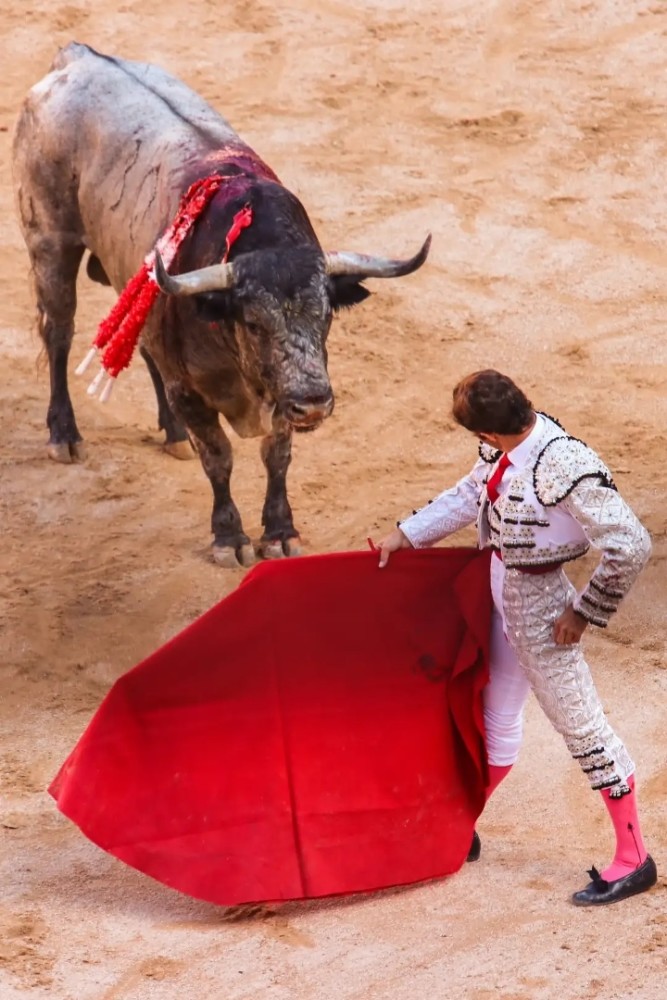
point(531, 139)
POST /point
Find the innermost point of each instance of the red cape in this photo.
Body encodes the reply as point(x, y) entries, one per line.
point(319, 731)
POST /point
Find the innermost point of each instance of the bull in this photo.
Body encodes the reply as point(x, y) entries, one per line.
point(104, 149)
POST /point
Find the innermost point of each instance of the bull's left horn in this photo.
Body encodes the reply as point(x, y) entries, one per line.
point(341, 262)
point(207, 279)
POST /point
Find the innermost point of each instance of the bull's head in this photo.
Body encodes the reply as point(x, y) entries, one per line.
point(282, 302)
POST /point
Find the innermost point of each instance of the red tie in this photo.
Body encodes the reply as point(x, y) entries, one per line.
point(492, 485)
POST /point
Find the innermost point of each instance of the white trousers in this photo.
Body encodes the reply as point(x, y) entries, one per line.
point(505, 695)
point(524, 656)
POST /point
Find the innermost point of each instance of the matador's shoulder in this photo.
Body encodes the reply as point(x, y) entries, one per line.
point(488, 454)
point(562, 464)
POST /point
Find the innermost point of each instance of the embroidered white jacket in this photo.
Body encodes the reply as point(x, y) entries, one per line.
point(556, 500)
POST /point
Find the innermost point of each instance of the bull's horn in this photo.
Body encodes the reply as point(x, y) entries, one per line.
point(341, 262)
point(207, 279)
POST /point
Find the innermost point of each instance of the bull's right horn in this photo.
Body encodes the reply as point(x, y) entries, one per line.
point(207, 279)
point(341, 262)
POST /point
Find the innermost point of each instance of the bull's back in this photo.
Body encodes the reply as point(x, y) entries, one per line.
point(97, 132)
point(90, 95)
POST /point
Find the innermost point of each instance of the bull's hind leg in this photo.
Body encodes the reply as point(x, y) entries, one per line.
point(176, 442)
point(231, 545)
point(55, 266)
point(280, 537)
point(53, 234)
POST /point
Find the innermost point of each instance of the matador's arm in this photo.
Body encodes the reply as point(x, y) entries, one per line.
point(453, 509)
point(610, 525)
point(572, 475)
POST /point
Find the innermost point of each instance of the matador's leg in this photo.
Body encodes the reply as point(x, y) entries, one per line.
point(561, 678)
point(562, 682)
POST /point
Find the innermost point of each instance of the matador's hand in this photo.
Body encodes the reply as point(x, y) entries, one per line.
point(392, 543)
point(569, 628)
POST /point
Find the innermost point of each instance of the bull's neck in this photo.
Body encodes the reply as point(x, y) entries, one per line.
point(235, 159)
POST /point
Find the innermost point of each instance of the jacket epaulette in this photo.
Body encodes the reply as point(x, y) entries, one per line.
point(563, 463)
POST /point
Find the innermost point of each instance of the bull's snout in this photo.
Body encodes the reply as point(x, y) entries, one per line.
point(307, 412)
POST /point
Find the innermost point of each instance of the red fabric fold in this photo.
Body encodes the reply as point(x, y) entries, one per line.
point(317, 732)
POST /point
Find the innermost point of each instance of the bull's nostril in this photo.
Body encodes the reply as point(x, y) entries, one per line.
point(312, 409)
point(311, 404)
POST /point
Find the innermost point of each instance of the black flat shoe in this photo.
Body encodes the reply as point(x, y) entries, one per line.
point(599, 891)
point(475, 848)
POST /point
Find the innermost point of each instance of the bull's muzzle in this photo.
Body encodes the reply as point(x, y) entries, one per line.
point(307, 412)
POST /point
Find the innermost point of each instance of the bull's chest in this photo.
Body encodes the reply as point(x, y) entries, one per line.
point(240, 403)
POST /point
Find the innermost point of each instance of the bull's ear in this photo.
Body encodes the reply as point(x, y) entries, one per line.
point(346, 290)
point(214, 307)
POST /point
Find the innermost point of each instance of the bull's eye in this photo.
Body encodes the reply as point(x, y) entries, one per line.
point(213, 307)
point(253, 329)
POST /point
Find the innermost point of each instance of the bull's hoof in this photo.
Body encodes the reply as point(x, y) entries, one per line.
point(230, 558)
point(225, 555)
point(66, 452)
point(271, 550)
point(182, 450)
point(276, 549)
point(246, 555)
point(292, 547)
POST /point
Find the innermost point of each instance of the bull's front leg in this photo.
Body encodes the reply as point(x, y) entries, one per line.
point(176, 439)
point(280, 536)
point(231, 545)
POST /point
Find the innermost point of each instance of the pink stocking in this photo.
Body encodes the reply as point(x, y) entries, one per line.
point(496, 774)
point(630, 850)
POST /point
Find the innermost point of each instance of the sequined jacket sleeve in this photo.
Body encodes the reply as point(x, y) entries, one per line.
point(453, 509)
point(610, 525)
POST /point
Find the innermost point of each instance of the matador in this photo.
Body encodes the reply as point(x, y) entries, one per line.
point(540, 498)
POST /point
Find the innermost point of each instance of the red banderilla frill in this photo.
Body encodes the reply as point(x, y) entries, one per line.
point(118, 334)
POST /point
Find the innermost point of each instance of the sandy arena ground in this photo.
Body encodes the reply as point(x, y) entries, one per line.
point(531, 139)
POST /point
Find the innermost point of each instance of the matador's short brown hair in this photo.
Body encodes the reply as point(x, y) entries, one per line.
point(488, 402)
